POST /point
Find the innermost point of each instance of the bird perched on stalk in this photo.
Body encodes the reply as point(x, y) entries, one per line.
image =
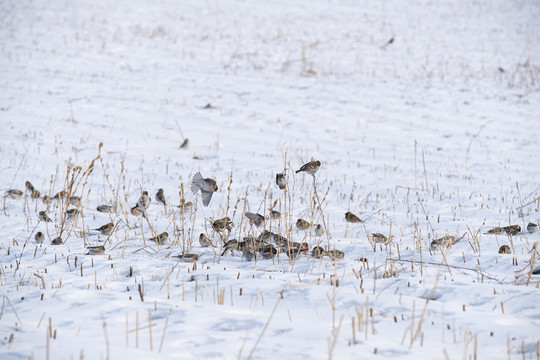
point(311, 167)
point(350, 217)
point(319, 230)
point(207, 187)
point(161, 197)
point(281, 180)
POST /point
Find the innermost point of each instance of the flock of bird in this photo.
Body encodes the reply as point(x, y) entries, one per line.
point(266, 245)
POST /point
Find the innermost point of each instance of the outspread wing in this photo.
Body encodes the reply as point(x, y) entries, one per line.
point(206, 196)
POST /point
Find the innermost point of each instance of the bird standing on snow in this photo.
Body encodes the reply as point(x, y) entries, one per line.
point(160, 196)
point(161, 239)
point(205, 241)
point(207, 186)
point(311, 167)
point(106, 229)
point(40, 237)
point(319, 230)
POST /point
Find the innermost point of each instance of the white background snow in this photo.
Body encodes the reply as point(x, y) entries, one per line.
point(432, 134)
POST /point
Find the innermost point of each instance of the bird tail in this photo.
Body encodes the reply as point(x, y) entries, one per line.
point(195, 182)
point(297, 171)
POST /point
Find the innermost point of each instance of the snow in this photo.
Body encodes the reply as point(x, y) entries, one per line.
point(436, 133)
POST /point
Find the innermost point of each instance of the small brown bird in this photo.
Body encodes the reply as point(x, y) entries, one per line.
point(248, 252)
point(311, 167)
point(95, 250)
point(302, 224)
point(256, 219)
point(47, 200)
point(192, 258)
point(60, 195)
point(185, 144)
point(161, 197)
point(319, 230)
point(135, 211)
point(29, 186)
point(335, 255)
point(75, 200)
point(161, 239)
point(274, 214)
point(105, 229)
point(222, 224)
point(14, 194)
point(186, 207)
point(505, 249)
point(44, 217)
point(265, 236)
point(445, 242)
point(512, 229)
point(350, 217)
point(532, 227)
point(104, 208)
point(35, 194)
point(39, 238)
point(295, 247)
point(496, 231)
point(72, 213)
point(57, 241)
point(268, 251)
point(144, 201)
point(317, 252)
point(378, 238)
point(281, 180)
point(206, 186)
point(230, 246)
point(205, 241)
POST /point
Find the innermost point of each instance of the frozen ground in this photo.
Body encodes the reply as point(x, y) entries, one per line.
point(434, 133)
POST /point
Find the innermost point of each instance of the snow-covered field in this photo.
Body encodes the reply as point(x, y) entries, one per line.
point(425, 116)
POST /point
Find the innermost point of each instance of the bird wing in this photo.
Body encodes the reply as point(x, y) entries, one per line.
point(206, 196)
point(198, 182)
